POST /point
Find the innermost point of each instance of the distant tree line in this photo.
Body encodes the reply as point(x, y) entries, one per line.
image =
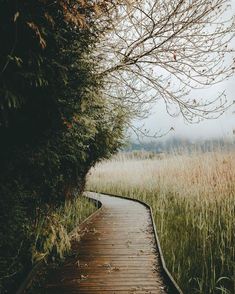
point(179, 145)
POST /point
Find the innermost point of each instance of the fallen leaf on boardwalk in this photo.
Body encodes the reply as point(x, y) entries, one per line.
point(140, 252)
point(128, 243)
point(116, 269)
point(93, 230)
point(84, 277)
point(85, 230)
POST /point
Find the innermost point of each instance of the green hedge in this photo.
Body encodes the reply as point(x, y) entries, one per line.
point(54, 121)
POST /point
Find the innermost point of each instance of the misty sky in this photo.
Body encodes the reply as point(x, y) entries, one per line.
point(159, 120)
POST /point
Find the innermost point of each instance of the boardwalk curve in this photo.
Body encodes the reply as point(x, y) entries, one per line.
point(117, 253)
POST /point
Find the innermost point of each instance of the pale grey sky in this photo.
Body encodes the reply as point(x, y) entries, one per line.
point(159, 120)
point(221, 127)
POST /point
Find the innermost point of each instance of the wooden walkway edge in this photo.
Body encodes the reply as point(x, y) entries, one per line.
point(117, 253)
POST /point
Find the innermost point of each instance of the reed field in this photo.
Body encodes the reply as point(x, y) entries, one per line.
point(193, 201)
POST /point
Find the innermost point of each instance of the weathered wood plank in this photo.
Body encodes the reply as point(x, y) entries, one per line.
point(116, 254)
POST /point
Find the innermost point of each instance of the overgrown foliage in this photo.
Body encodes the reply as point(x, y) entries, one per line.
point(54, 123)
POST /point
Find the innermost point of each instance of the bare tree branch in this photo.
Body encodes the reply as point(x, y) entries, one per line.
point(162, 50)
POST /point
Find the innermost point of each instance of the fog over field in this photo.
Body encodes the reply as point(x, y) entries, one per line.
point(160, 121)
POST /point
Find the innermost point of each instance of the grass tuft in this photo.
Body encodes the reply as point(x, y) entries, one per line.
point(52, 228)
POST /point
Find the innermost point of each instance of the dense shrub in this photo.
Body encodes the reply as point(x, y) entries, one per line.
point(54, 122)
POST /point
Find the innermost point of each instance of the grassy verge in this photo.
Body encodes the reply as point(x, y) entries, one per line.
point(47, 237)
point(51, 234)
point(193, 200)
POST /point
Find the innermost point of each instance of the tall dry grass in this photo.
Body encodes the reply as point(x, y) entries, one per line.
point(193, 199)
point(52, 229)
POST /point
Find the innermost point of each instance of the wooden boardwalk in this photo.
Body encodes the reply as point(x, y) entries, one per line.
point(116, 254)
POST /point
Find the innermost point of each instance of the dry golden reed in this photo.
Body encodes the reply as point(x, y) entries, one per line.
point(193, 199)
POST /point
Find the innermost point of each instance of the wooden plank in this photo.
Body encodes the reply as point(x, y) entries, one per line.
point(116, 254)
